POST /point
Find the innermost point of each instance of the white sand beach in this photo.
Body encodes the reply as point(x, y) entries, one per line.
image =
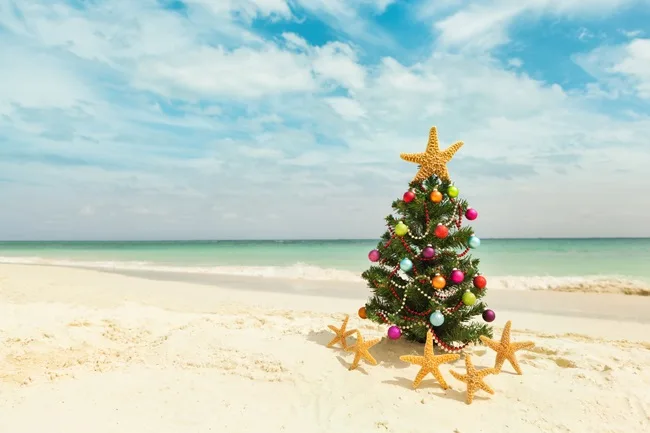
point(87, 351)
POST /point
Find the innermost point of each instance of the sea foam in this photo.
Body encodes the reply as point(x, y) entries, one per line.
point(302, 271)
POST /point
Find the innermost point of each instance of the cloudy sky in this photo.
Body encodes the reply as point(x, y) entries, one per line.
point(170, 119)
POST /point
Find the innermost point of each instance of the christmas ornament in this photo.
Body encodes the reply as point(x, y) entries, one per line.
point(439, 282)
point(474, 242)
point(394, 332)
point(457, 276)
point(406, 265)
point(471, 214)
point(361, 350)
point(432, 161)
point(429, 363)
point(428, 252)
point(441, 231)
point(373, 256)
point(341, 334)
point(489, 315)
point(401, 229)
point(435, 196)
point(362, 313)
point(505, 349)
point(469, 298)
point(480, 282)
point(474, 378)
point(408, 196)
point(437, 318)
point(452, 191)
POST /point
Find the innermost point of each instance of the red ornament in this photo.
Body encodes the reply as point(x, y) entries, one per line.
point(480, 282)
point(441, 231)
point(409, 196)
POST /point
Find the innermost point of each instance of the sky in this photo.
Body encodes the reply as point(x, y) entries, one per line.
point(257, 119)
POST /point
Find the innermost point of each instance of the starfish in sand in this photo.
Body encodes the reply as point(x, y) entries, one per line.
point(429, 363)
point(506, 349)
point(341, 334)
point(474, 379)
point(360, 349)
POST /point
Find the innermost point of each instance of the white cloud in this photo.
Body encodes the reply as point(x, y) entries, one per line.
point(337, 62)
point(347, 108)
point(485, 24)
point(624, 69)
point(244, 72)
point(632, 33)
point(35, 79)
point(276, 126)
point(636, 65)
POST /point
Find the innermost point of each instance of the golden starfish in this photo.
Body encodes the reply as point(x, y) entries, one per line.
point(432, 161)
point(341, 334)
point(360, 349)
point(430, 363)
point(505, 349)
point(474, 379)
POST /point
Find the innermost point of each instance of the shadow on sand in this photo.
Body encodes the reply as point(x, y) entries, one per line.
point(387, 353)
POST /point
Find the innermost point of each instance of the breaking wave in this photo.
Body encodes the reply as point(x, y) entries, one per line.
point(302, 271)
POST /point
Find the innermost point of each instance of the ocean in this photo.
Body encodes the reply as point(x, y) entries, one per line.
point(508, 263)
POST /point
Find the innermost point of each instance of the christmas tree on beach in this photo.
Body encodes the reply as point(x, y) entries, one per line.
point(423, 277)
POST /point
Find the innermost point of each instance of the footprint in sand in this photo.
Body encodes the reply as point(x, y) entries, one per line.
point(565, 363)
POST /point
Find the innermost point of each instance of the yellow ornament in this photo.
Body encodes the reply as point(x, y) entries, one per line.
point(361, 350)
point(505, 349)
point(432, 161)
point(429, 363)
point(401, 229)
point(474, 379)
point(435, 196)
point(341, 334)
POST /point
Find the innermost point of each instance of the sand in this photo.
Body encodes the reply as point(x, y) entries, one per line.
point(84, 351)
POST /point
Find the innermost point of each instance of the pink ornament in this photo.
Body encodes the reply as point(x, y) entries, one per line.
point(394, 332)
point(373, 255)
point(457, 276)
point(428, 252)
point(471, 214)
point(408, 196)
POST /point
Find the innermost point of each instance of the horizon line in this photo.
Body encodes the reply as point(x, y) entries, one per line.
point(305, 239)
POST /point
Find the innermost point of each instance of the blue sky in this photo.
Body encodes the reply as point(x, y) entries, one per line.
point(170, 119)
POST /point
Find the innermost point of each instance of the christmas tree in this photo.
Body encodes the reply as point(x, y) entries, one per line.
point(423, 277)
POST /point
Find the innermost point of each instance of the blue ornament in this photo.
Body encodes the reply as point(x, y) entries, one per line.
point(474, 242)
point(406, 265)
point(437, 318)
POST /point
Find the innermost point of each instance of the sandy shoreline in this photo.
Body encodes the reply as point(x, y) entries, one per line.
point(88, 350)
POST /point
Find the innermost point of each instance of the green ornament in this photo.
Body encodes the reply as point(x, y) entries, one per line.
point(452, 191)
point(469, 298)
point(401, 229)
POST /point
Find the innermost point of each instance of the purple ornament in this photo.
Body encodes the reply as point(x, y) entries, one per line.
point(457, 276)
point(471, 214)
point(373, 255)
point(428, 252)
point(394, 332)
point(489, 315)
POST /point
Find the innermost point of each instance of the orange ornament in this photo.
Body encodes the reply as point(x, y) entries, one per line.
point(439, 282)
point(362, 313)
point(435, 196)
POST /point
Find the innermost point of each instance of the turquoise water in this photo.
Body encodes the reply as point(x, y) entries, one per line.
point(335, 259)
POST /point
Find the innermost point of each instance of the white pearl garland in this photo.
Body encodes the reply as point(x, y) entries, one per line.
point(426, 233)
